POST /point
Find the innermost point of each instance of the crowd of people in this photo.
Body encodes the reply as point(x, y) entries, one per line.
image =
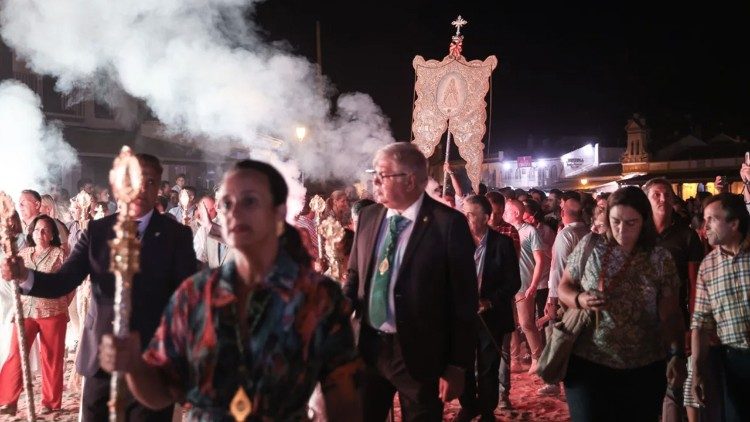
point(439, 294)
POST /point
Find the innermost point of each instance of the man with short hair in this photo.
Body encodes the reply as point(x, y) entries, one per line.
point(531, 264)
point(413, 283)
point(86, 185)
point(722, 303)
point(499, 279)
point(686, 249)
point(553, 203)
point(167, 258)
point(497, 201)
point(29, 206)
point(185, 211)
point(179, 182)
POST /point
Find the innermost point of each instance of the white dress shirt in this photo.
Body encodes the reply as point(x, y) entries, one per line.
point(411, 213)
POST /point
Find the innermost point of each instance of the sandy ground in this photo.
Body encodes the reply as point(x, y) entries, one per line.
point(527, 405)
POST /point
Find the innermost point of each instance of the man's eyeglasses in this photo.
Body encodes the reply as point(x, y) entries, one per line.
point(382, 176)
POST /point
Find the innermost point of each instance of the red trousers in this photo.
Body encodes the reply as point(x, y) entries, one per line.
point(52, 353)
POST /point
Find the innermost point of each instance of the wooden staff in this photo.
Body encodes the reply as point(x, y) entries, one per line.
point(126, 180)
point(318, 205)
point(8, 238)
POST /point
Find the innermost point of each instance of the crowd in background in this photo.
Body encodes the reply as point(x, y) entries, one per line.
point(642, 259)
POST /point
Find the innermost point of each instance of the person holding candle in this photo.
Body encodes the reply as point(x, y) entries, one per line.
point(619, 361)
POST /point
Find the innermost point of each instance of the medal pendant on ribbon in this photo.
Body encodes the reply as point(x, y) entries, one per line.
point(241, 406)
point(384, 265)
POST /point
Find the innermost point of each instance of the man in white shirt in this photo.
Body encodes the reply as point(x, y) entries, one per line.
point(412, 281)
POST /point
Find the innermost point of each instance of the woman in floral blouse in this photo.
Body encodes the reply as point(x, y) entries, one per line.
point(255, 334)
point(46, 317)
point(619, 361)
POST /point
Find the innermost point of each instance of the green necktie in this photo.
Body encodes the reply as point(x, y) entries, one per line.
point(384, 265)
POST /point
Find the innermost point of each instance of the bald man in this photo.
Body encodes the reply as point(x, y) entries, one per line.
point(531, 262)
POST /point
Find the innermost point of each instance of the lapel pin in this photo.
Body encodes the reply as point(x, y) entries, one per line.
point(425, 219)
point(157, 234)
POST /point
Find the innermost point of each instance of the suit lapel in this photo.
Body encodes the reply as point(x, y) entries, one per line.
point(152, 233)
point(371, 242)
point(489, 259)
point(424, 219)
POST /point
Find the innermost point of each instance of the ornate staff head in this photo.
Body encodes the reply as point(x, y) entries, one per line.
point(125, 177)
point(7, 208)
point(457, 41)
point(82, 201)
point(318, 205)
point(333, 232)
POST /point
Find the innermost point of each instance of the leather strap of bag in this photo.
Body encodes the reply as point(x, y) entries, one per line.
point(587, 251)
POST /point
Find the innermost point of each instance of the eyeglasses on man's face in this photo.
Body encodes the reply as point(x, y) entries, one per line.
point(383, 176)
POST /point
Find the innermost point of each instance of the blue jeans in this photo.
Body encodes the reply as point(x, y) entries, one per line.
point(736, 363)
point(599, 393)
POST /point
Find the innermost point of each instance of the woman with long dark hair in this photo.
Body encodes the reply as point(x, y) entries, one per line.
point(619, 361)
point(258, 332)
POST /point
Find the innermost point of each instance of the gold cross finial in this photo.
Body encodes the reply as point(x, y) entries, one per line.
point(458, 23)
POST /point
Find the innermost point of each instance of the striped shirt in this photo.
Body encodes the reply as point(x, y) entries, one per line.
point(722, 298)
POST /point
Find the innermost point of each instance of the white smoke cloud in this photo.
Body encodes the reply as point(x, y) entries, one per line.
point(32, 151)
point(202, 69)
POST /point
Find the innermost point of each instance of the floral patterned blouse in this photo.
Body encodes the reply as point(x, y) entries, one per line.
point(46, 262)
point(629, 333)
point(300, 334)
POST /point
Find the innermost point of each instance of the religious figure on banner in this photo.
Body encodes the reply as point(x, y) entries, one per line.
point(450, 95)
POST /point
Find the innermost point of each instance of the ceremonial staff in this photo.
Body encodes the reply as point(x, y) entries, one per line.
point(447, 157)
point(7, 208)
point(333, 232)
point(453, 51)
point(318, 205)
point(126, 180)
point(83, 201)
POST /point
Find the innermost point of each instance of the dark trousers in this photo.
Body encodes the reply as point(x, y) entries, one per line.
point(504, 370)
point(480, 390)
point(419, 398)
point(599, 393)
point(736, 363)
point(96, 395)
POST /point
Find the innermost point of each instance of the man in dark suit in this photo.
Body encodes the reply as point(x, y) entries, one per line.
point(499, 279)
point(167, 257)
point(412, 281)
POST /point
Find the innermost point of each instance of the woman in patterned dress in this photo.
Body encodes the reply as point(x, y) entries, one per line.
point(46, 317)
point(263, 328)
point(618, 364)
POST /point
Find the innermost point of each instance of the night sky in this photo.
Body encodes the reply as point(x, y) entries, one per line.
point(564, 70)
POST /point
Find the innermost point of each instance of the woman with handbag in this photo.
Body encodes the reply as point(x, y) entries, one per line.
point(620, 358)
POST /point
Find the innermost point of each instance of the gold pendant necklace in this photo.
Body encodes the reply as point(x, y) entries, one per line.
point(241, 406)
